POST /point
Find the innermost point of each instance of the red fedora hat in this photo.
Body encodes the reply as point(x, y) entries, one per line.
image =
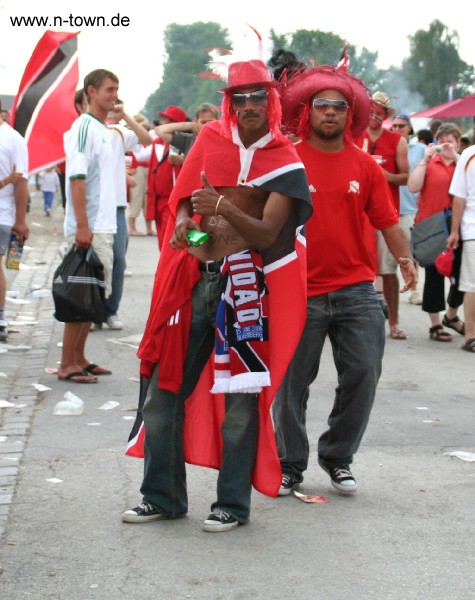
point(248, 73)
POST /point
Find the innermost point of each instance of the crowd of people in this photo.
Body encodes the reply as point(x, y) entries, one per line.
point(305, 187)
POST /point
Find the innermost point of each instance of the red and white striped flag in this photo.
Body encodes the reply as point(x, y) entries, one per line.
point(43, 109)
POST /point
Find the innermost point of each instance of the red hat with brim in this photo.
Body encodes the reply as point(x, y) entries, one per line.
point(246, 74)
point(301, 88)
point(174, 113)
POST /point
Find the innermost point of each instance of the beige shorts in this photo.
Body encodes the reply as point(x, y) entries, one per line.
point(138, 193)
point(102, 245)
point(467, 269)
point(387, 264)
point(407, 223)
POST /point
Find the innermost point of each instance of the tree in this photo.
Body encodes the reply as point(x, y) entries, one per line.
point(434, 62)
point(186, 56)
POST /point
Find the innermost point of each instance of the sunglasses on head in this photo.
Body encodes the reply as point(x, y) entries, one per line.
point(257, 97)
point(322, 105)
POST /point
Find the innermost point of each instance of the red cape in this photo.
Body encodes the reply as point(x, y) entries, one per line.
point(274, 167)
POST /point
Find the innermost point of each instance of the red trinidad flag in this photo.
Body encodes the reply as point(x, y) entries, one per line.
point(44, 106)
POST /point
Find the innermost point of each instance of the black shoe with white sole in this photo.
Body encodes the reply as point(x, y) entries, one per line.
point(220, 520)
point(144, 513)
point(288, 484)
point(341, 477)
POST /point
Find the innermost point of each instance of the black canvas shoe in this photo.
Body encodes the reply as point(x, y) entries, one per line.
point(288, 484)
point(220, 520)
point(143, 513)
point(341, 477)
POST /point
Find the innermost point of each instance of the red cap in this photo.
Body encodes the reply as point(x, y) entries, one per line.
point(174, 113)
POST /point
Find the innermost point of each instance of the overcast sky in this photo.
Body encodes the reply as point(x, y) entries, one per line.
point(135, 52)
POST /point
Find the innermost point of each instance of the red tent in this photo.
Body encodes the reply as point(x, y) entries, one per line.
point(462, 107)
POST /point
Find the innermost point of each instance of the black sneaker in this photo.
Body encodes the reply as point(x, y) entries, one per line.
point(342, 479)
point(288, 484)
point(143, 513)
point(3, 331)
point(220, 520)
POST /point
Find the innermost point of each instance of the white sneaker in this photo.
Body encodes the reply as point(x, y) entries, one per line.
point(415, 298)
point(114, 322)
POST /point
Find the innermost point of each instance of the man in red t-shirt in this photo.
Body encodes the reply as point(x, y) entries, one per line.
point(327, 109)
point(389, 149)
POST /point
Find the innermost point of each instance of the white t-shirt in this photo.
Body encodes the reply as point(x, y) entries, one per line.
point(49, 181)
point(89, 156)
point(123, 140)
point(463, 185)
point(13, 155)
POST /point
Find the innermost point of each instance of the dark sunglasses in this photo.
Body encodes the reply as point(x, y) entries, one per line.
point(257, 97)
point(322, 105)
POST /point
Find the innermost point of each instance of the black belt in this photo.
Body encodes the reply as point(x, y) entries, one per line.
point(211, 266)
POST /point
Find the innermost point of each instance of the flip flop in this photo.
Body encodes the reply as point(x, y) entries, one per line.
point(94, 369)
point(398, 334)
point(78, 377)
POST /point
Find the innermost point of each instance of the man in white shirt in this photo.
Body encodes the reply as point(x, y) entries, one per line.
point(13, 200)
point(91, 208)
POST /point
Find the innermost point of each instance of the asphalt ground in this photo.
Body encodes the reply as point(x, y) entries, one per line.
point(407, 533)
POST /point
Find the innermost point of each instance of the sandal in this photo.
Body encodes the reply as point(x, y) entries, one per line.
point(469, 345)
point(438, 334)
point(446, 322)
point(397, 334)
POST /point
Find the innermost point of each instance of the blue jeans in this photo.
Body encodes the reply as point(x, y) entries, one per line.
point(121, 240)
point(353, 319)
point(48, 198)
point(164, 482)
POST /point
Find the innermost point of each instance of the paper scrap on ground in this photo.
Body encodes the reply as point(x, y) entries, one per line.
point(19, 347)
point(51, 370)
point(5, 404)
point(109, 405)
point(427, 420)
point(3, 350)
point(18, 300)
point(121, 343)
point(94, 424)
point(55, 480)
point(26, 318)
point(422, 408)
point(129, 418)
point(3, 438)
point(468, 456)
point(311, 499)
point(2, 374)
point(40, 387)
point(136, 379)
point(25, 267)
point(71, 405)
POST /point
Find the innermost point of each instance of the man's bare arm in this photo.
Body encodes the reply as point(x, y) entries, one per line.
point(21, 203)
point(402, 164)
point(166, 131)
point(78, 194)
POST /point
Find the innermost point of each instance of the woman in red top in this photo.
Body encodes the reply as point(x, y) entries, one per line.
point(431, 177)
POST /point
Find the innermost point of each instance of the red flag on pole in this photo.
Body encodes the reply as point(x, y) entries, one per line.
point(43, 109)
point(344, 61)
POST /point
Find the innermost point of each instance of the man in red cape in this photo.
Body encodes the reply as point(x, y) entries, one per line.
point(243, 184)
